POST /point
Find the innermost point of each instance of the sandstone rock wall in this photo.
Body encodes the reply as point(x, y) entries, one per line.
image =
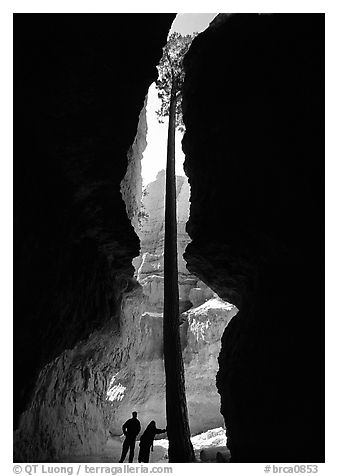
point(80, 85)
point(89, 390)
point(70, 412)
point(202, 325)
point(253, 109)
point(131, 185)
point(85, 355)
point(140, 384)
point(149, 265)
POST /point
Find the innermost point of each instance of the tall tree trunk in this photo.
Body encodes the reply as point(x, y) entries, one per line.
point(180, 447)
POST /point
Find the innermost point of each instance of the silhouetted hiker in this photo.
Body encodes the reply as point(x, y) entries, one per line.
point(147, 440)
point(131, 428)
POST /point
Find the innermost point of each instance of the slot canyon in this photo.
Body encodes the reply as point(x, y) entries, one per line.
point(88, 244)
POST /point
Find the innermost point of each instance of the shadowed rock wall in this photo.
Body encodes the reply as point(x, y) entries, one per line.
point(70, 413)
point(80, 82)
point(254, 145)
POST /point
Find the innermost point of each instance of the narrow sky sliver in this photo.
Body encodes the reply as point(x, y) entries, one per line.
point(155, 154)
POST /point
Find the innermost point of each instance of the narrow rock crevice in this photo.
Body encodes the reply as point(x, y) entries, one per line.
point(87, 336)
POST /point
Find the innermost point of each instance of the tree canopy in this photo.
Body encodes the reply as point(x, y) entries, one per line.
point(171, 74)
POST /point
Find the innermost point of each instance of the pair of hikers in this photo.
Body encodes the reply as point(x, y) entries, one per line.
point(131, 428)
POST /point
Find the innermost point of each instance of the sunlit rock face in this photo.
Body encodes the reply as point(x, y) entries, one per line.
point(253, 110)
point(141, 383)
point(202, 340)
point(70, 412)
point(131, 185)
point(80, 87)
point(150, 264)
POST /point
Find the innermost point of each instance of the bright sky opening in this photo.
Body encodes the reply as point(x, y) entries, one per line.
point(155, 154)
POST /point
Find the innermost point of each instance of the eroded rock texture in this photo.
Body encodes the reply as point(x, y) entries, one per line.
point(70, 412)
point(140, 383)
point(80, 85)
point(150, 264)
point(253, 109)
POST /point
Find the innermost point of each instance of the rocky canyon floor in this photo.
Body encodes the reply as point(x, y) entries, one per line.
point(209, 446)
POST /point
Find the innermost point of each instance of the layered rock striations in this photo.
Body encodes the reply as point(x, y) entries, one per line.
point(253, 110)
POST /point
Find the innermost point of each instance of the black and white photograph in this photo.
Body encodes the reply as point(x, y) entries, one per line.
point(168, 240)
